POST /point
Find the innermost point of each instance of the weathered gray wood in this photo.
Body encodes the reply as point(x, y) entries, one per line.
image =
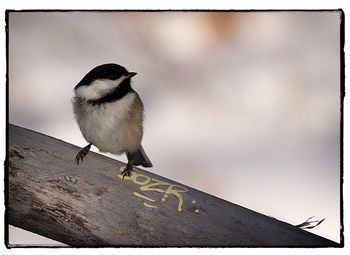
point(89, 204)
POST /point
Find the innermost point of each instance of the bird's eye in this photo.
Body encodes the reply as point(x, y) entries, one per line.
point(113, 77)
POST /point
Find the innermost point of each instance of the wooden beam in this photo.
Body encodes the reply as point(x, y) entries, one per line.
point(90, 205)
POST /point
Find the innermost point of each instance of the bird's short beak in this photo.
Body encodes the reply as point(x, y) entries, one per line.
point(131, 74)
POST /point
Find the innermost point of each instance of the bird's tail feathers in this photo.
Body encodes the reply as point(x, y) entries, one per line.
point(139, 158)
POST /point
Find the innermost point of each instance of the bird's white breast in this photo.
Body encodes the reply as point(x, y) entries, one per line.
point(105, 125)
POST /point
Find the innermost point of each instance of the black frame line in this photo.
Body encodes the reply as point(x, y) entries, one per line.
point(342, 95)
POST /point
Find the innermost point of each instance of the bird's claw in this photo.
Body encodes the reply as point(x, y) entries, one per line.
point(127, 171)
point(81, 155)
point(78, 158)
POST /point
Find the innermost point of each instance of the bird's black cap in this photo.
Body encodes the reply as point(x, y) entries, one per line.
point(107, 71)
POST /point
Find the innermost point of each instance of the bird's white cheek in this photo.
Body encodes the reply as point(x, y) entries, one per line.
point(87, 92)
point(97, 89)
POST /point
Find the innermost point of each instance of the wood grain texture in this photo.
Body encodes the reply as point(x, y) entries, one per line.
point(89, 204)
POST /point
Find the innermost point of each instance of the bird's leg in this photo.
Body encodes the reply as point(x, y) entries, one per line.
point(128, 169)
point(82, 153)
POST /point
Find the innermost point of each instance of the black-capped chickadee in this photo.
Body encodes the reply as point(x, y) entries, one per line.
point(110, 114)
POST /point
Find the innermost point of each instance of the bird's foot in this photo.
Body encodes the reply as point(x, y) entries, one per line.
point(128, 170)
point(81, 155)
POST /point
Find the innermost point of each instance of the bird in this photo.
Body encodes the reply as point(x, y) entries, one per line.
point(110, 115)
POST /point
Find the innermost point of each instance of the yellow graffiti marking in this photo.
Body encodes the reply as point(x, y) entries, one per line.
point(142, 196)
point(156, 183)
point(150, 206)
point(171, 190)
point(151, 184)
point(136, 179)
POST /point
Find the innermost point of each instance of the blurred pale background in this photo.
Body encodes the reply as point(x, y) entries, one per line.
point(245, 106)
